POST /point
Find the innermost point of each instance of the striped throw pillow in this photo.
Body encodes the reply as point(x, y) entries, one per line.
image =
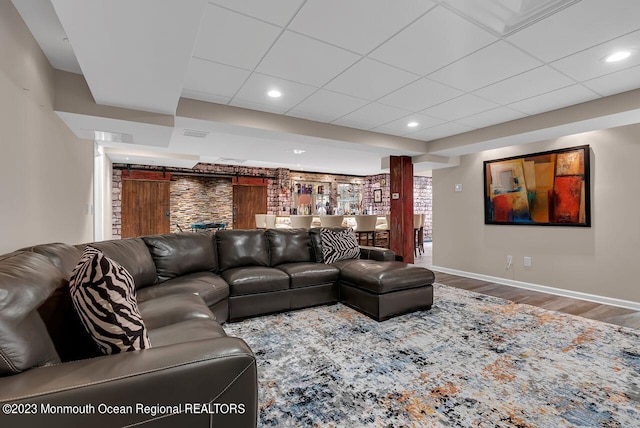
point(104, 296)
point(339, 245)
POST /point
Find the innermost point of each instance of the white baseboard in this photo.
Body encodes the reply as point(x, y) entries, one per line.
point(543, 288)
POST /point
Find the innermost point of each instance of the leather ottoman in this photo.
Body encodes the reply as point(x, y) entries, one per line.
point(383, 290)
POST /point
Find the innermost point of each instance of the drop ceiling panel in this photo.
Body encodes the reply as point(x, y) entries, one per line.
point(277, 12)
point(234, 39)
point(334, 21)
point(305, 60)
point(622, 81)
point(590, 63)
point(254, 92)
point(399, 127)
point(419, 95)
point(531, 83)
point(370, 80)
point(463, 106)
point(584, 24)
point(564, 97)
point(372, 115)
point(489, 65)
point(327, 105)
point(434, 41)
point(491, 117)
point(228, 80)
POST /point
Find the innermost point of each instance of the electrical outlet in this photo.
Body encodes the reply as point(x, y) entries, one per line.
point(527, 261)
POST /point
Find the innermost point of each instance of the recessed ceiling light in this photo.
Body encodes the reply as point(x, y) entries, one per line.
point(412, 124)
point(298, 151)
point(618, 56)
point(274, 93)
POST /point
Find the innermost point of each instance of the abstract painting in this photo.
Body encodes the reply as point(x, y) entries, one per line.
point(543, 189)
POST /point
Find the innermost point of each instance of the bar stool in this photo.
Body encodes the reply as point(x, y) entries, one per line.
point(417, 227)
point(382, 232)
point(270, 221)
point(366, 224)
point(331, 220)
point(301, 221)
point(261, 221)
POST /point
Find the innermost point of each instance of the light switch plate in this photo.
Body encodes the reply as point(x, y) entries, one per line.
point(458, 187)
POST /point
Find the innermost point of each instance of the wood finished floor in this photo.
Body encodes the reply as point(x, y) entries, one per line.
point(595, 311)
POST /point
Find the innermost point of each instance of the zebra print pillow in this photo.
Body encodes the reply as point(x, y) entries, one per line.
point(338, 245)
point(104, 296)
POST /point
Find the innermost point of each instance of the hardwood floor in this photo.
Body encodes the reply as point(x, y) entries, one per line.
point(595, 311)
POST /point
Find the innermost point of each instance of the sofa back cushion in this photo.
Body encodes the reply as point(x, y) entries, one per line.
point(134, 256)
point(237, 248)
point(26, 280)
point(63, 256)
point(288, 246)
point(182, 253)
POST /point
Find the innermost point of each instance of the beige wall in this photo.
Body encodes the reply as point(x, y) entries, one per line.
point(45, 171)
point(600, 260)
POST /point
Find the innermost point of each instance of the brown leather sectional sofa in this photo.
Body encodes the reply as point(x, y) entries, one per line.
point(187, 285)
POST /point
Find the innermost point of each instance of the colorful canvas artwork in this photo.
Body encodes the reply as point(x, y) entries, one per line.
point(547, 189)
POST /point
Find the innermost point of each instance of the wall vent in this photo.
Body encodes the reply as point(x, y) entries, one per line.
point(113, 137)
point(195, 133)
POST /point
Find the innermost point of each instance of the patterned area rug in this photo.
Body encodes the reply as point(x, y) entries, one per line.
point(472, 361)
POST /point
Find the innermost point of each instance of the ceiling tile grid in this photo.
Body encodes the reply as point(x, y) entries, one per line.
point(378, 65)
point(371, 64)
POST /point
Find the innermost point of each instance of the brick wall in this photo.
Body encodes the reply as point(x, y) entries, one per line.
point(422, 203)
point(373, 182)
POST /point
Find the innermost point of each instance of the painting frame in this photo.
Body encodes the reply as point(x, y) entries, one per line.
point(550, 188)
point(377, 196)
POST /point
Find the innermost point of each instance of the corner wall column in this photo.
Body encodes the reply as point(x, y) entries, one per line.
point(401, 240)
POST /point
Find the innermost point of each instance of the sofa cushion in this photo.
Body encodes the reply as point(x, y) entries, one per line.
point(209, 286)
point(64, 256)
point(238, 248)
point(186, 331)
point(339, 245)
point(288, 246)
point(255, 279)
point(105, 298)
point(26, 281)
point(310, 273)
point(168, 310)
point(181, 253)
point(133, 255)
point(384, 277)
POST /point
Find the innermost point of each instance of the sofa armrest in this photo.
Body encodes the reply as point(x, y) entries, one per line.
point(377, 253)
point(203, 383)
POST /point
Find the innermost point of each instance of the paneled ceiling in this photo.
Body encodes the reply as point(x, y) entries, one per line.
point(444, 66)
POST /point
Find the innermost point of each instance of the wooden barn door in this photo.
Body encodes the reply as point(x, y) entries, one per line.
point(145, 204)
point(248, 200)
